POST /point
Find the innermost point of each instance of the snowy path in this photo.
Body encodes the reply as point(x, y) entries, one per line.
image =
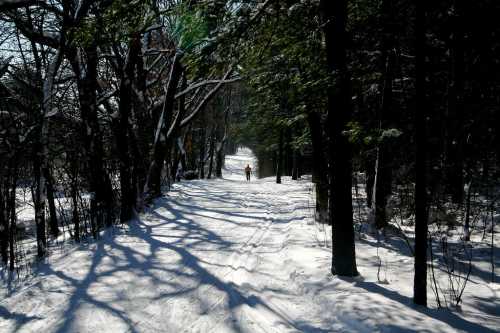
point(218, 256)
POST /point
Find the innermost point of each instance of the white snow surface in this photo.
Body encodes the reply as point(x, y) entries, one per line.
point(227, 255)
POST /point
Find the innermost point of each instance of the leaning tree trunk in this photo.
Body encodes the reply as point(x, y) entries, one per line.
point(153, 185)
point(339, 114)
point(420, 278)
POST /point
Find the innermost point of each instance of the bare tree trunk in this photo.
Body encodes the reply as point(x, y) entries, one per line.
point(339, 113)
point(420, 278)
point(295, 164)
point(279, 164)
point(74, 199)
point(319, 171)
point(102, 196)
point(153, 186)
point(39, 200)
point(383, 172)
point(203, 140)
point(53, 224)
point(467, 212)
point(128, 193)
point(4, 223)
point(211, 152)
point(11, 206)
point(455, 140)
point(221, 136)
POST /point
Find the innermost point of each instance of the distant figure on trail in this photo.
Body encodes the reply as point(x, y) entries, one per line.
point(248, 171)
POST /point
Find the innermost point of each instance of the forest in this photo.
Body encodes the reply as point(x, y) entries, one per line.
point(369, 132)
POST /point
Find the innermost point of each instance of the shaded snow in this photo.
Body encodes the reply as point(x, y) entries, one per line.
point(229, 256)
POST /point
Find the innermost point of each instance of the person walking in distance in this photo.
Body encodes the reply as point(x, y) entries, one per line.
point(248, 171)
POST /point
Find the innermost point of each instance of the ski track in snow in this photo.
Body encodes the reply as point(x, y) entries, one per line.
point(225, 256)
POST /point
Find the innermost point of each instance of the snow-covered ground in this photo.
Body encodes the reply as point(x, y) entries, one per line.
point(228, 255)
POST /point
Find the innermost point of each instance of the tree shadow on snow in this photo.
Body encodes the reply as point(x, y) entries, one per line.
point(443, 315)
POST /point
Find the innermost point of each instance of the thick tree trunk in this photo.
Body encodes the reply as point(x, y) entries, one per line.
point(102, 197)
point(339, 114)
point(128, 193)
point(420, 277)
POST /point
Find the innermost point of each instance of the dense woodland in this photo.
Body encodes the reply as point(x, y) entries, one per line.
point(106, 103)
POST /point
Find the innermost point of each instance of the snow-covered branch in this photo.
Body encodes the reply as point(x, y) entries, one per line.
point(206, 99)
point(204, 83)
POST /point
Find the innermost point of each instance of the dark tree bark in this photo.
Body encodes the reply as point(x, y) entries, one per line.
point(295, 163)
point(370, 179)
point(319, 167)
point(220, 142)
point(203, 140)
point(288, 154)
point(219, 161)
point(160, 144)
point(49, 183)
point(383, 172)
point(178, 152)
point(279, 162)
point(74, 199)
point(211, 153)
point(334, 14)
point(455, 140)
point(102, 197)
point(420, 277)
point(128, 193)
point(39, 200)
point(4, 225)
point(11, 206)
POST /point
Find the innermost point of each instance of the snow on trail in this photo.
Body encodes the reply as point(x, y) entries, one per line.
point(219, 256)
